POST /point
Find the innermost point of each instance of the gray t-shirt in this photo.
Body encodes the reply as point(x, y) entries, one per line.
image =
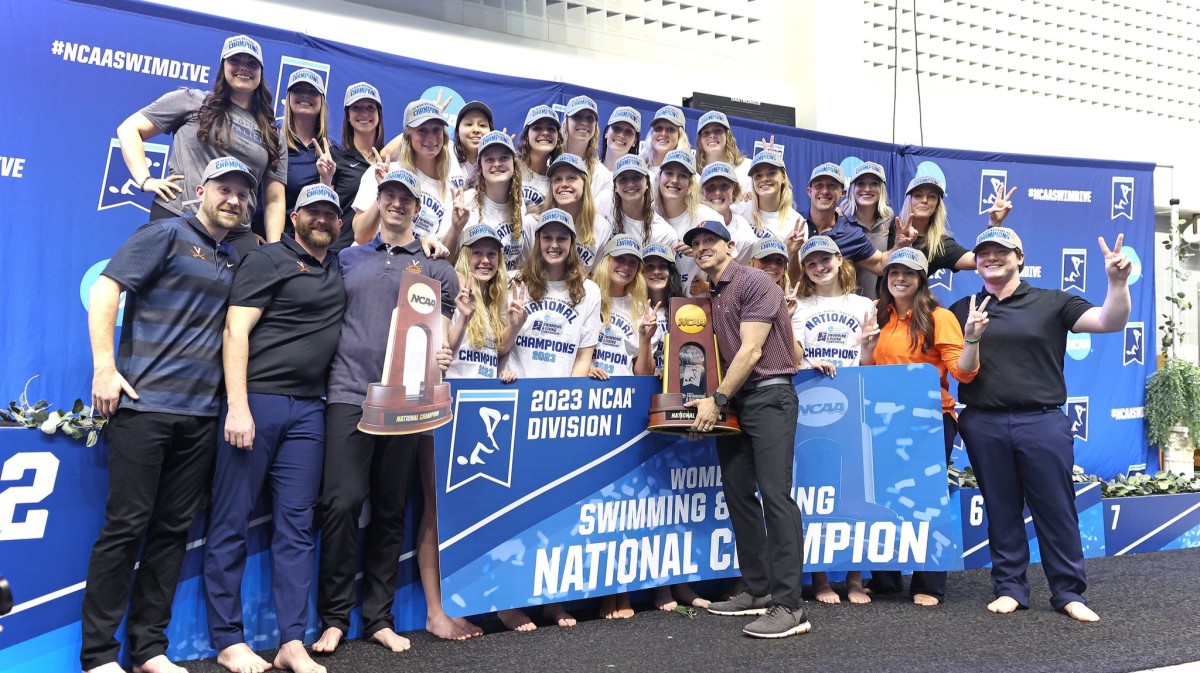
point(175, 113)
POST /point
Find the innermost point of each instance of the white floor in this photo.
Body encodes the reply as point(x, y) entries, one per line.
point(1193, 667)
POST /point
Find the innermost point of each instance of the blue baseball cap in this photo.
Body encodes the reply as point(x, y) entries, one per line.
point(713, 117)
point(769, 157)
point(718, 169)
point(868, 168)
point(224, 165)
point(622, 244)
point(478, 233)
point(631, 162)
point(558, 216)
point(628, 115)
point(241, 44)
point(926, 180)
point(541, 112)
point(830, 169)
point(765, 247)
point(420, 111)
point(475, 106)
point(819, 244)
point(579, 104)
point(1002, 235)
point(313, 193)
point(711, 226)
point(567, 159)
point(660, 251)
point(671, 114)
point(496, 138)
point(405, 178)
point(360, 90)
point(681, 157)
point(309, 76)
point(910, 257)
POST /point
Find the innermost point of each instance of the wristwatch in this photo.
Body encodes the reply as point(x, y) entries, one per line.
point(720, 399)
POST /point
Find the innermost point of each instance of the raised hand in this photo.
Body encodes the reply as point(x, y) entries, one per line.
point(1001, 204)
point(465, 299)
point(649, 322)
point(325, 163)
point(380, 162)
point(682, 248)
point(769, 144)
point(434, 248)
point(442, 104)
point(799, 235)
point(977, 320)
point(906, 233)
point(461, 214)
point(790, 298)
point(516, 308)
point(870, 329)
point(1116, 263)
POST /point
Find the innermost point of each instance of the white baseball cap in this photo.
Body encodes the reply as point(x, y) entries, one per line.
point(307, 76)
point(360, 90)
point(241, 44)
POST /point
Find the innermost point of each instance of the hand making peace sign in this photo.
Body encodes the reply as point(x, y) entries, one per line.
point(977, 320)
point(1116, 263)
point(325, 163)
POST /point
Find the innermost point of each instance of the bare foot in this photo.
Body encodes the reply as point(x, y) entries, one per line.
point(391, 640)
point(925, 599)
point(1004, 605)
point(1080, 612)
point(451, 628)
point(616, 607)
point(516, 620)
point(110, 667)
point(557, 614)
point(684, 593)
point(854, 589)
point(161, 664)
point(824, 592)
point(330, 639)
point(293, 657)
point(240, 658)
point(663, 600)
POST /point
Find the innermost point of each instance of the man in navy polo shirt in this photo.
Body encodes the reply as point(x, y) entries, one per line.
point(358, 464)
point(160, 394)
point(285, 314)
point(1016, 435)
point(751, 321)
point(826, 186)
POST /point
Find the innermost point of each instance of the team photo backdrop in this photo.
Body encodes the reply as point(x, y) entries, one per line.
point(75, 70)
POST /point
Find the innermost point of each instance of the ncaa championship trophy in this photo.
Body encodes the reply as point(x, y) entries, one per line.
point(691, 370)
point(391, 408)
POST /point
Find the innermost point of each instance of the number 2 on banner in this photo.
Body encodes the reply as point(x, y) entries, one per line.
point(45, 472)
point(976, 510)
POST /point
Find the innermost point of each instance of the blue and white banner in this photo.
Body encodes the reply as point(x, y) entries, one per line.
point(974, 526)
point(549, 495)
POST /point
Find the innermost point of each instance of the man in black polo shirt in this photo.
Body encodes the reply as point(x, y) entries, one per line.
point(1016, 435)
point(358, 464)
point(160, 394)
point(752, 322)
point(285, 314)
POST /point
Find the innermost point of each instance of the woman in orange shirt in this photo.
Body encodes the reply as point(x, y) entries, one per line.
point(913, 328)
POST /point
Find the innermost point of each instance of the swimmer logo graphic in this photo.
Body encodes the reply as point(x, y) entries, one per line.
point(1134, 350)
point(991, 182)
point(484, 438)
point(1122, 198)
point(943, 278)
point(1074, 269)
point(1077, 414)
point(119, 188)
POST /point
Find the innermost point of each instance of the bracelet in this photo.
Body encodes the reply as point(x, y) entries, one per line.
point(970, 342)
point(146, 179)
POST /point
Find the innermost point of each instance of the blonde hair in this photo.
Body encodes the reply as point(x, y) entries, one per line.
point(648, 146)
point(883, 211)
point(512, 204)
point(691, 198)
point(635, 290)
point(647, 213)
point(730, 155)
point(847, 279)
point(784, 281)
point(786, 198)
point(592, 151)
point(934, 238)
point(492, 298)
point(321, 132)
point(408, 159)
point(585, 222)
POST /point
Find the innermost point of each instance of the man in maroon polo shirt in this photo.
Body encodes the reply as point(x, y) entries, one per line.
point(751, 321)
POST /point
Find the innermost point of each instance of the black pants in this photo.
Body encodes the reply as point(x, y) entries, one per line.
point(358, 465)
point(159, 466)
point(930, 583)
point(762, 458)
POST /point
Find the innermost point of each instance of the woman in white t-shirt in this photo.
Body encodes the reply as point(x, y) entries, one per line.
point(541, 142)
point(662, 283)
point(677, 200)
point(667, 133)
point(633, 205)
point(628, 321)
point(830, 322)
point(570, 191)
point(769, 255)
point(715, 142)
point(770, 209)
point(582, 138)
point(474, 121)
point(721, 190)
point(620, 136)
point(495, 200)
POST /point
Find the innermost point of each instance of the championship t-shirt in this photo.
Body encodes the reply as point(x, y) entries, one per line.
point(535, 187)
point(661, 233)
point(829, 328)
point(601, 232)
point(618, 343)
point(495, 215)
point(474, 363)
point(437, 200)
point(554, 331)
point(602, 187)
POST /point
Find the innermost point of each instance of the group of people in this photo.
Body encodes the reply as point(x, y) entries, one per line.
point(245, 354)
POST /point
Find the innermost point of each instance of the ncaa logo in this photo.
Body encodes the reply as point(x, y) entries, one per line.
point(482, 445)
point(943, 278)
point(1134, 350)
point(119, 188)
point(819, 407)
point(422, 298)
point(287, 66)
point(1122, 198)
point(1077, 414)
point(991, 182)
point(1074, 269)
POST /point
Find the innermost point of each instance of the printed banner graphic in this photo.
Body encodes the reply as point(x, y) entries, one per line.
point(553, 495)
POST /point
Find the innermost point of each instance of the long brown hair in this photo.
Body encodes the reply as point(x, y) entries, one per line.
point(847, 279)
point(646, 216)
point(920, 326)
point(525, 150)
point(348, 128)
point(730, 155)
point(533, 274)
point(213, 121)
point(512, 205)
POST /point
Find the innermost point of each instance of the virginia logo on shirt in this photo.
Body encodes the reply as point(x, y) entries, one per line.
point(1074, 269)
point(1122, 198)
point(1134, 349)
point(302, 266)
point(413, 266)
point(197, 252)
point(991, 181)
point(1077, 414)
point(483, 439)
